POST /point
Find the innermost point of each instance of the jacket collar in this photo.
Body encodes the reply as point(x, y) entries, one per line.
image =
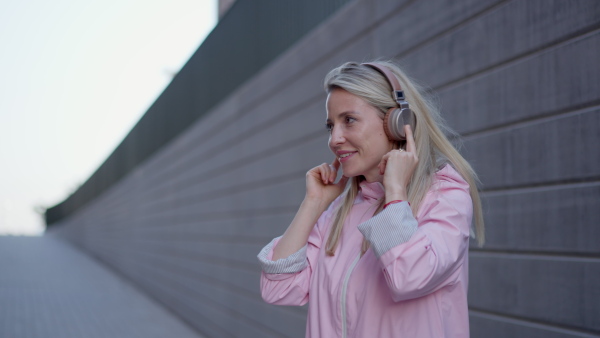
point(371, 191)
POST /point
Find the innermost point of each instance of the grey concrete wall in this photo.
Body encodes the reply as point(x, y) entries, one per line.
point(519, 80)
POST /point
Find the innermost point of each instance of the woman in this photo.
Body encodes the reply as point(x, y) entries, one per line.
point(384, 251)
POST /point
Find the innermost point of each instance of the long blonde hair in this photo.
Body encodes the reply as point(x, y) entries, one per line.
point(433, 146)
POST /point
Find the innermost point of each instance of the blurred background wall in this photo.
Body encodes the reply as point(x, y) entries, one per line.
point(216, 167)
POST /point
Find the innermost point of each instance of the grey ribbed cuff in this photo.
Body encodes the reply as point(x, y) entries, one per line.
point(391, 227)
point(295, 262)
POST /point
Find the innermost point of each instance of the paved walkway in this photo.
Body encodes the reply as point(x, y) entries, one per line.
point(49, 289)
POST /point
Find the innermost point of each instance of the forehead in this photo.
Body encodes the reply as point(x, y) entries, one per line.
point(340, 103)
point(339, 99)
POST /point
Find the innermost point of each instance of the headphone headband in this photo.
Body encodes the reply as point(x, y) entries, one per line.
point(397, 92)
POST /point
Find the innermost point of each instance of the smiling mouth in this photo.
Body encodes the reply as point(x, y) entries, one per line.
point(345, 156)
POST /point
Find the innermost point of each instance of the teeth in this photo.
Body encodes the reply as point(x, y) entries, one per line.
point(345, 155)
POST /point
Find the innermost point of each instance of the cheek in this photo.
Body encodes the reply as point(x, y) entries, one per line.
point(381, 147)
point(385, 142)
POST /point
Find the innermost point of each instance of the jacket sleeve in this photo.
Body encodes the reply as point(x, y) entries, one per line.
point(418, 258)
point(286, 281)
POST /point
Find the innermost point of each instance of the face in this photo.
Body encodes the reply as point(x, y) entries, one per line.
point(356, 135)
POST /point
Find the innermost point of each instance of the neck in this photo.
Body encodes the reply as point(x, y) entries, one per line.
point(375, 177)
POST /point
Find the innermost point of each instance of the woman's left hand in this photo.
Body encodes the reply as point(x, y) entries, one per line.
point(397, 168)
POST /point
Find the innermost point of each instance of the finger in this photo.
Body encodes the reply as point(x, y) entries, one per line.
point(334, 166)
point(322, 171)
point(332, 173)
point(327, 172)
point(336, 163)
point(383, 163)
point(410, 141)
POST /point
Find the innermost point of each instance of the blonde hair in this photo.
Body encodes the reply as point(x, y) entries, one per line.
point(433, 146)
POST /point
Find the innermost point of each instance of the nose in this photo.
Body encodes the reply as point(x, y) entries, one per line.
point(336, 137)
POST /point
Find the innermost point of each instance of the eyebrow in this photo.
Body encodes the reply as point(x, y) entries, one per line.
point(344, 114)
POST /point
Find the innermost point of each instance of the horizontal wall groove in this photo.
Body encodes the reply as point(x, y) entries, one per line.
point(205, 238)
point(532, 120)
point(546, 255)
point(450, 30)
point(232, 190)
point(542, 186)
point(553, 327)
point(548, 186)
point(175, 238)
point(545, 48)
point(230, 214)
point(208, 259)
point(117, 231)
point(213, 260)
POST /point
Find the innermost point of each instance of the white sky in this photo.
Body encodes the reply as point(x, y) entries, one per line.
point(75, 77)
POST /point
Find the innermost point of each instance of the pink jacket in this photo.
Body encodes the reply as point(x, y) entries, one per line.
point(412, 282)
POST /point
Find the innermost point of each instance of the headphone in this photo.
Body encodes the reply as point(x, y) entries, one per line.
point(396, 117)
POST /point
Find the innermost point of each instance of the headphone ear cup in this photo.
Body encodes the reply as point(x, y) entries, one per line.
point(394, 121)
point(394, 124)
point(388, 124)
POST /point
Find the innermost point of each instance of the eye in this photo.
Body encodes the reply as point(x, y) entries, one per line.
point(329, 127)
point(350, 119)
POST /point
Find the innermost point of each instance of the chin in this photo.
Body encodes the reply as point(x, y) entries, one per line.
point(350, 174)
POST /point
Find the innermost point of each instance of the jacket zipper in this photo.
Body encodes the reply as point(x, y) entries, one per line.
point(343, 299)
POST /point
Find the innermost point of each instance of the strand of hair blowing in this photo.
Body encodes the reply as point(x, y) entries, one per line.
point(433, 140)
point(430, 141)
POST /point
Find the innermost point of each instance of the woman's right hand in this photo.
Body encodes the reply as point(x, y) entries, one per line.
point(320, 183)
point(321, 190)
